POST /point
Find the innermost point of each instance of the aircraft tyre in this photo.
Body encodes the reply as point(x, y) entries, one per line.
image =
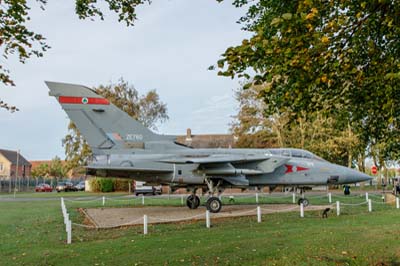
point(193, 202)
point(304, 201)
point(214, 204)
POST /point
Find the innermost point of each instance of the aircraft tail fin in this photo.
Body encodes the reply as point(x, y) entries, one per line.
point(103, 125)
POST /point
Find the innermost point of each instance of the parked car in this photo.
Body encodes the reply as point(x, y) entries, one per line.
point(43, 188)
point(65, 186)
point(140, 188)
point(80, 186)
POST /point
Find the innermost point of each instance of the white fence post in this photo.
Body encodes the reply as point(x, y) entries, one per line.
point(208, 222)
point(142, 199)
point(63, 209)
point(369, 205)
point(330, 197)
point(145, 221)
point(181, 199)
point(63, 206)
point(301, 210)
point(397, 203)
point(104, 200)
point(69, 232)
point(337, 208)
point(258, 214)
point(66, 219)
point(294, 197)
point(257, 197)
point(366, 196)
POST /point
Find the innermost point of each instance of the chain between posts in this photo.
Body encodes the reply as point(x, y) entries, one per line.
point(258, 210)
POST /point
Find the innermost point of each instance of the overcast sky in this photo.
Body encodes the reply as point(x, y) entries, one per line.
point(169, 49)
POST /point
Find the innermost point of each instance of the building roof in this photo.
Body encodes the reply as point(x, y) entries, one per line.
point(207, 141)
point(12, 157)
point(37, 163)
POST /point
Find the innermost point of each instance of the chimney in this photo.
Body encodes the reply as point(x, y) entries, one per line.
point(188, 134)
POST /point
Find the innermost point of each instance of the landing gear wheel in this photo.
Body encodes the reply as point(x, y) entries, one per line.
point(214, 204)
point(193, 202)
point(299, 201)
point(304, 201)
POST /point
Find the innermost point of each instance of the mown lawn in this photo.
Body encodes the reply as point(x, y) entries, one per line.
point(32, 233)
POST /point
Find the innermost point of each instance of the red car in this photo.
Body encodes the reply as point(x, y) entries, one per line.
point(43, 188)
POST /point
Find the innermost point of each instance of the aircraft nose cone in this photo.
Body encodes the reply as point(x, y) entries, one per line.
point(353, 176)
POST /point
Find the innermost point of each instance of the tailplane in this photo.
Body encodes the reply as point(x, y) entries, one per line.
point(104, 126)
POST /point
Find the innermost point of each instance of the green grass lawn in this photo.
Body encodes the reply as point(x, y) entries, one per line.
point(32, 233)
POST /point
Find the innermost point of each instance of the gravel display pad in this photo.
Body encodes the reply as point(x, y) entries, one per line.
point(113, 217)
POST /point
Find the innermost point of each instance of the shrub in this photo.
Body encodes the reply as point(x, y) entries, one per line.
point(94, 184)
point(106, 185)
point(98, 184)
point(121, 184)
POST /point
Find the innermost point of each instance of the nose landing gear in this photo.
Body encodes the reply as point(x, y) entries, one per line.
point(304, 201)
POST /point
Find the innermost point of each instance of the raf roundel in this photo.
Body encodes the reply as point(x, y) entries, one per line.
point(85, 100)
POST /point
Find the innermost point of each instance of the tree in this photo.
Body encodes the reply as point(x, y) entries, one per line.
point(251, 126)
point(147, 109)
point(41, 170)
point(77, 151)
point(17, 39)
point(325, 136)
point(338, 58)
point(56, 168)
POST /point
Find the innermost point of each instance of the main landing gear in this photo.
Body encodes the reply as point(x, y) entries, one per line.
point(193, 201)
point(213, 203)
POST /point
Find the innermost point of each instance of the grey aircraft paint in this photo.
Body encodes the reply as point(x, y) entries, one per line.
point(125, 148)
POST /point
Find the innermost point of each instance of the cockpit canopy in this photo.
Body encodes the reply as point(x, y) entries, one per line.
point(296, 153)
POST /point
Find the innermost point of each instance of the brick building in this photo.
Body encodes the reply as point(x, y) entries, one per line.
point(8, 165)
point(207, 140)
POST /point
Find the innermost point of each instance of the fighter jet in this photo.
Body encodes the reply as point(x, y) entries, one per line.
point(124, 148)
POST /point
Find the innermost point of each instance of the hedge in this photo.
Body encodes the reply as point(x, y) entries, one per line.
point(99, 184)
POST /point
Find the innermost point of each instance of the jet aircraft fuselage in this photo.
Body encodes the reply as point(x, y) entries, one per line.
point(280, 167)
point(123, 147)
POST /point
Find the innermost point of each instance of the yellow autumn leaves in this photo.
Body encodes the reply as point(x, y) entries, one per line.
point(312, 13)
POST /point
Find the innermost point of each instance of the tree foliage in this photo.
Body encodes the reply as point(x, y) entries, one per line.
point(41, 170)
point(325, 136)
point(17, 39)
point(55, 169)
point(337, 58)
point(77, 151)
point(147, 109)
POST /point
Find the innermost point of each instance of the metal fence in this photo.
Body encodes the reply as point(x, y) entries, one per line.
point(28, 184)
